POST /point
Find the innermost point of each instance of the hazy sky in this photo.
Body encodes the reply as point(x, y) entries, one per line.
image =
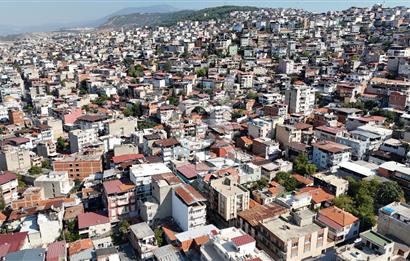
point(37, 12)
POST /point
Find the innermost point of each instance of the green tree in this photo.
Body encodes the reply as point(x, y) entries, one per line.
point(123, 228)
point(45, 164)
point(35, 170)
point(159, 236)
point(61, 144)
point(302, 165)
point(252, 95)
point(286, 180)
point(173, 100)
point(388, 192)
point(71, 233)
point(344, 202)
point(202, 72)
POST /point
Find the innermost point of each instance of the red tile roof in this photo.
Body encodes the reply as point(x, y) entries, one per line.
point(91, 219)
point(6, 177)
point(79, 245)
point(117, 186)
point(126, 157)
point(11, 242)
point(243, 240)
point(318, 194)
point(56, 251)
point(189, 194)
point(338, 216)
point(188, 171)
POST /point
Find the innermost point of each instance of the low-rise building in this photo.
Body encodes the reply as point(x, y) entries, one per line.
point(331, 183)
point(8, 186)
point(78, 166)
point(231, 244)
point(55, 184)
point(342, 225)
point(394, 221)
point(373, 246)
point(92, 224)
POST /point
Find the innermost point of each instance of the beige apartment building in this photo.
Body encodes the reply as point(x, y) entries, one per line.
point(14, 159)
point(228, 197)
point(294, 238)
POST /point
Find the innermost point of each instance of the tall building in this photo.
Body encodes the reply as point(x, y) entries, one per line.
point(300, 98)
point(119, 199)
point(188, 207)
point(81, 138)
point(228, 197)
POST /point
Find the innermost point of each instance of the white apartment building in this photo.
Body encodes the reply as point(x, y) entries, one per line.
point(300, 98)
point(141, 175)
point(232, 244)
point(188, 207)
point(8, 186)
point(80, 138)
point(328, 154)
point(55, 184)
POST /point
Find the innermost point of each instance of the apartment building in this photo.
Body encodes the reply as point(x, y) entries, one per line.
point(328, 154)
point(79, 139)
point(119, 199)
point(141, 176)
point(300, 98)
point(14, 159)
point(293, 238)
point(78, 166)
point(228, 197)
point(188, 207)
point(55, 184)
point(8, 186)
point(142, 239)
point(394, 221)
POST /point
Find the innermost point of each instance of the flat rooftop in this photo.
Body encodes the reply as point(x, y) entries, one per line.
point(285, 230)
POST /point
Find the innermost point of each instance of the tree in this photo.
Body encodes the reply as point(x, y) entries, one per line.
point(71, 233)
point(45, 164)
point(252, 95)
point(35, 170)
point(286, 180)
point(159, 236)
point(344, 202)
point(202, 72)
point(388, 192)
point(302, 165)
point(61, 144)
point(173, 100)
point(123, 228)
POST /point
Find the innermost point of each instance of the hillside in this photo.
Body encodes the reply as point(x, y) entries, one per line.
point(166, 19)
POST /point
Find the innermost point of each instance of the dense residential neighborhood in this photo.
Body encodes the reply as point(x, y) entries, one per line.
point(234, 133)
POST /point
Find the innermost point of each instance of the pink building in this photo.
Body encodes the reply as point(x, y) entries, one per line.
point(71, 115)
point(119, 199)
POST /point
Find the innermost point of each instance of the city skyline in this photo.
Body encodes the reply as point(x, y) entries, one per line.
point(25, 13)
